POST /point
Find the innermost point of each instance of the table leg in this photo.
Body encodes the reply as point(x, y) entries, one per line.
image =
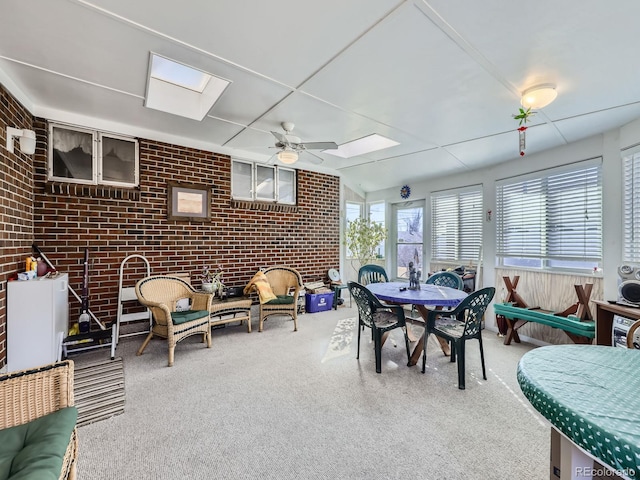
point(412, 338)
point(417, 351)
point(512, 330)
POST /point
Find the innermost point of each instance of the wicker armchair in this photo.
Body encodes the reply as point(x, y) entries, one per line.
point(163, 295)
point(286, 284)
point(31, 394)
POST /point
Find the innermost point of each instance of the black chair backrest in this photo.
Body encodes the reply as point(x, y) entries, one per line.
point(471, 310)
point(446, 279)
point(366, 302)
point(372, 274)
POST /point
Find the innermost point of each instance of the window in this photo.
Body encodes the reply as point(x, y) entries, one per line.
point(552, 221)
point(376, 214)
point(631, 204)
point(352, 211)
point(79, 155)
point(456, 225)
point(266, 183)
point(409, 239)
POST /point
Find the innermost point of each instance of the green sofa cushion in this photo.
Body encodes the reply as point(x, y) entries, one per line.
point(35, 450)
point(188, 315)
point(281, 300)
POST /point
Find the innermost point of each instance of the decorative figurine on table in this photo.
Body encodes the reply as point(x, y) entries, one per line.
point(414, 278)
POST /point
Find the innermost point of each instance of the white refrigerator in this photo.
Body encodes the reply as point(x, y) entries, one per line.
point(37, 321)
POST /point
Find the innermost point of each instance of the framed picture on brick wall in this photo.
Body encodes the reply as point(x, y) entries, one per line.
point(188, 202)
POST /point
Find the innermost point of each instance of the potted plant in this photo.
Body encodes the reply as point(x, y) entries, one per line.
point(362, 237)
point(212, 280)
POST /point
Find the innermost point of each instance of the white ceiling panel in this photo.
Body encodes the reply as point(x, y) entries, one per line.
point(484, 152)
point(402, 80)
point(401, 170)
point(577, 128)
point(440, 77)
point(105, 106)
point(284, 39)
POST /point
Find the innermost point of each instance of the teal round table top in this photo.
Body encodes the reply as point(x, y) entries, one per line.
point(591, 394)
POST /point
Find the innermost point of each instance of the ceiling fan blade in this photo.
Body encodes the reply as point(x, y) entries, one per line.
point(319, 145)
point(316, 159)
point(281, 138)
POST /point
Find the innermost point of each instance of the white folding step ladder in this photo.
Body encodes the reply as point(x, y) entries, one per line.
point(127, 295)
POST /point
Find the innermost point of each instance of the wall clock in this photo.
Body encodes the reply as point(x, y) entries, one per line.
point(405, 191)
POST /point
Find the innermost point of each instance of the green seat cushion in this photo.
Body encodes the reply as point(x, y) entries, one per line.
point(188, 315)
point(281, 300)
point(36, 449)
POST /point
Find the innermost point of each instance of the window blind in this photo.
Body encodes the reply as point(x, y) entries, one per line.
point(556, 216)
point(631, 206)
point(456, 225)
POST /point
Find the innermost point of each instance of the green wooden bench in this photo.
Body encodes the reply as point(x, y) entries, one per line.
point(576, 321)
point(572, 325)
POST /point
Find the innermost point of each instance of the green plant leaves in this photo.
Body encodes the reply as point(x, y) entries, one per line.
point(362, 237)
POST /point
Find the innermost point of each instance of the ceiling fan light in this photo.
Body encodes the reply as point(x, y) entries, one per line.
point(288, 156)
point(538, 96)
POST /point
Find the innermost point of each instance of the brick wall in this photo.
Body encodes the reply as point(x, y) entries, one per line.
point(16, 204)
point(241, 237)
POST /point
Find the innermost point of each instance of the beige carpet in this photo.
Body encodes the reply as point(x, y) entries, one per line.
point(298, 405)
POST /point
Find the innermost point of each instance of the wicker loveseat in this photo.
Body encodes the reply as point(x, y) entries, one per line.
point(38, 437)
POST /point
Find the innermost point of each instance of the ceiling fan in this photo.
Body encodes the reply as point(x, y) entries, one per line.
point(291, 146)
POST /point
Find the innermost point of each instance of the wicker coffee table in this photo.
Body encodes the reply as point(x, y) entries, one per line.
point(235, 309)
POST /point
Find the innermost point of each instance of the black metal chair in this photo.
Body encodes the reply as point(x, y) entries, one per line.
point(446, 279)
point(379, 317)
point(372, 274)
point(459, 325)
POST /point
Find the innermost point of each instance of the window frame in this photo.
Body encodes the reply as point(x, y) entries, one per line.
point(252, 194)
point(97, 159)
point(630, 158)
point(383, 244)
point(396, 208)
point(458, 196)
point(548, 250)
point(348, 253)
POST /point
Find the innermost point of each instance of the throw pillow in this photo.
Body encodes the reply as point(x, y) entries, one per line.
point(183, 304)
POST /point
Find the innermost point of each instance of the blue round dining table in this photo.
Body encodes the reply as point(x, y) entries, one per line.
point(427, 296)
point(431, 295)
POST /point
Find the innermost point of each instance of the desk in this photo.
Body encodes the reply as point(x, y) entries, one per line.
point(234, 309)
point(589, 393)
point(604, 319)
point(428, 295)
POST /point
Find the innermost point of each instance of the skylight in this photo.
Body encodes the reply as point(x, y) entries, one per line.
point(178, 74)
point(179, 89)
point(368, 144)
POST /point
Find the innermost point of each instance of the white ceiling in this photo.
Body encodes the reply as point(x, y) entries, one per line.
point(441, 77)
